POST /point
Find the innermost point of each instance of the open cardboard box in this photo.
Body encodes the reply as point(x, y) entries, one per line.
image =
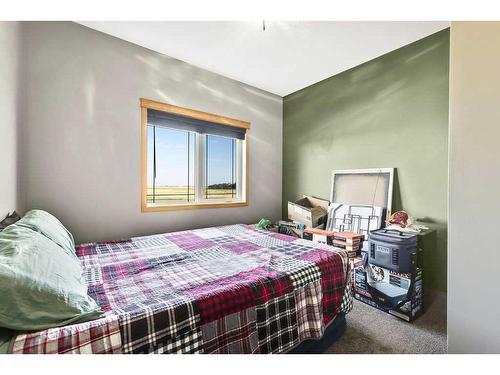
point(309, 211)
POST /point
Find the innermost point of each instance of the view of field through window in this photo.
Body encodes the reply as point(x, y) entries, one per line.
point(171, 166)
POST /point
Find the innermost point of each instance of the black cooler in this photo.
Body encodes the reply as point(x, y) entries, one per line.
point(393, 249)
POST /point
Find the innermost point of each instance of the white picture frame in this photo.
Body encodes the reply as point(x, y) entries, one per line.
point(366, 194)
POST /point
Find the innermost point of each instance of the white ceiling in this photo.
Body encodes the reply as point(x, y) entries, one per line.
point(284, 58)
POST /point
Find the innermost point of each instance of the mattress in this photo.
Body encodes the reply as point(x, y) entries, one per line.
point(227, 289)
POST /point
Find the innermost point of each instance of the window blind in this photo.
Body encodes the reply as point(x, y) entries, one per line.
point(173, 121)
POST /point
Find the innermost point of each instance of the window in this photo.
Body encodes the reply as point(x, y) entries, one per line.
point(221, 159)
point(192, 159)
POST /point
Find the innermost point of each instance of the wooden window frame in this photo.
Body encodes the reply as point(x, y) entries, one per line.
point(146, 104)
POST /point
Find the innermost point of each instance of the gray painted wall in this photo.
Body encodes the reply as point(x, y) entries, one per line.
point(9, 33)
point(474, 185)
point(81, 131)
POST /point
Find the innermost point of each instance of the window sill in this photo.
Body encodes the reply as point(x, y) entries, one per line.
point(178, 207)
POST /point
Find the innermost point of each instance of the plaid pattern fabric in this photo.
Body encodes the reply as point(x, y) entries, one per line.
point(232, 334)
point(347, 297)
point(266, 241)
point(225, 289)
point(294, 249)
point(230, 265)
point(217, 301)
point(263, 256)
point(105, 247)
point(301, 272)
point(212, 253)
point(309, 311)
point(100, 336)
point(187, 343)
point(333, 283)
point(237, 230)
point(155, 325)
point(209, 233)
point(277, 324)
point(223, 239)
point(240, 247)
point(189, 241)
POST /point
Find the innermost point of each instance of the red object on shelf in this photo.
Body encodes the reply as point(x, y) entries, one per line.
point(399, 218)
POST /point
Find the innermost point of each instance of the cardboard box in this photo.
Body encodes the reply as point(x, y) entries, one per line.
point(399, 294)
point(318, 235)
point(352, 253)
point(349, 238)
point(346, 246)
point(309, 211)
point(290, 228)
point(328, 237)
point(355, 263)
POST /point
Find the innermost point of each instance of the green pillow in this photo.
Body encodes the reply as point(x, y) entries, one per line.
point(41, 285)
point(48, 225)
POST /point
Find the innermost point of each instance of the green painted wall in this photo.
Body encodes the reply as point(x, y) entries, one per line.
point(389, 112)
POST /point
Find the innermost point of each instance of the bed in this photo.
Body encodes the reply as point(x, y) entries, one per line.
point(227, 289)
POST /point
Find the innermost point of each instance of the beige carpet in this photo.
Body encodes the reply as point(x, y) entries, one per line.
point(372, 331)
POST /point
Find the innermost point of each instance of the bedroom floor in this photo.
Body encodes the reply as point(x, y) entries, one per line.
point(372, 331)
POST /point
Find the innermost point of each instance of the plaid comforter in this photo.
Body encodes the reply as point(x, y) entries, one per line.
point(229, 289)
